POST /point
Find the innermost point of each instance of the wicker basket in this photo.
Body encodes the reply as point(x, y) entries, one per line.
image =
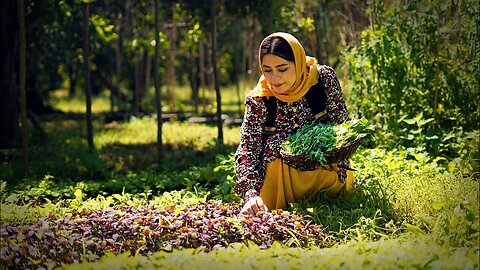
point(303, 163)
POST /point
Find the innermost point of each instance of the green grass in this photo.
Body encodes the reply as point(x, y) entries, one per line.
point(129, 146)
point(60, 101)
point(232, 102)
point(404, 253)
point(144, 131)
point(180, 102)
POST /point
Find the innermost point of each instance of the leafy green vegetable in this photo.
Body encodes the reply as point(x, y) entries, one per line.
point(315, 141)
point(352, 130)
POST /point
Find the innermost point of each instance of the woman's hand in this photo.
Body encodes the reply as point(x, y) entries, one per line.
point(253, 206)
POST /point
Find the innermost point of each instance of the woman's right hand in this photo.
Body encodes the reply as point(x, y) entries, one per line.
point(253, 206)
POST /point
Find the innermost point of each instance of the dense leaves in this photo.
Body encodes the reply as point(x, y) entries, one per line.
point(397, 193)
point(312, 141)
point(389, 254)
point(415, 74)
point(315, 141)
point(87, 235)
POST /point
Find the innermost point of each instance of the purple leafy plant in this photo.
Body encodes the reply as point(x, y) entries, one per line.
point(87, 235)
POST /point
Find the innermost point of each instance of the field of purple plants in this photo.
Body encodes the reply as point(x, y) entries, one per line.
point(87, 235)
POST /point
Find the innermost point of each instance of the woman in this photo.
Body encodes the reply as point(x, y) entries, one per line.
point(263, 179)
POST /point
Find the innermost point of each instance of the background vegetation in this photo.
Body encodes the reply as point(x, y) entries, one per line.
point(410, 67)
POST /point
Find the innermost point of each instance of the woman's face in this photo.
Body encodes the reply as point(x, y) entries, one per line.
point(279, 73)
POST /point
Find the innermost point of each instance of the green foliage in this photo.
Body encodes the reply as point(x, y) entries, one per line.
point(413, 183)
point(389, 254)
point(402, 201)
point(123, 148)
point(398, 216)
point(466, 146)
point(394, 191)
point(196, 179)
point(416, 72)
point(28, 206)
point(226, 179)
point(317, 140)
point(459, 228)
point(46, 189)
point(104, 30)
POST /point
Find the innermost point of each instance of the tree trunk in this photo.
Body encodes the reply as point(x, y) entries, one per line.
point(237, 63)
point(193, 70)
point(256, 37)
point(173, 56)
point(114, 90)
point(138, 79)
point(171, 80)
point(437, 74)
point(248, 47)
point(146, 86)
point(86, 60)
point(349, 24)
point(9, 135)
point(322, 34)
point(202, 74)
point(158, 103)
point(244, 58)
point(318, 32)
point(215, 73)
point(209, 80)
point(72, 78)
point(21, 84)
point(110, 81)
point(118, 63)
point(266, 19)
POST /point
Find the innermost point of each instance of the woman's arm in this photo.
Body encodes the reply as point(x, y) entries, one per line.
point(336, 107)
point(248, 158)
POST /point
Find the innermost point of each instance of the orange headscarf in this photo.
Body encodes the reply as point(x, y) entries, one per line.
point(305, 68)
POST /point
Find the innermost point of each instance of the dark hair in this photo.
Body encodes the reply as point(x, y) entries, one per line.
point(277, 46)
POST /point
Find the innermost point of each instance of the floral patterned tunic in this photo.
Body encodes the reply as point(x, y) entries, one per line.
point(256, 150)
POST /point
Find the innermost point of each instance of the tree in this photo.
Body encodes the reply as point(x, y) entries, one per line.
point(21, 83)
point(238, 72)
point(158, 104)
point(321, 33)
point(9, 135)
point(86, 63)
point(215, 71)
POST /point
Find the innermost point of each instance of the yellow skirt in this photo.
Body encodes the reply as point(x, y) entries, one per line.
point(284, 184)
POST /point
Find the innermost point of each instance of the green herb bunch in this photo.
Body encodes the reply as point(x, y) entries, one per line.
point(352, 130)
point(315, 141)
